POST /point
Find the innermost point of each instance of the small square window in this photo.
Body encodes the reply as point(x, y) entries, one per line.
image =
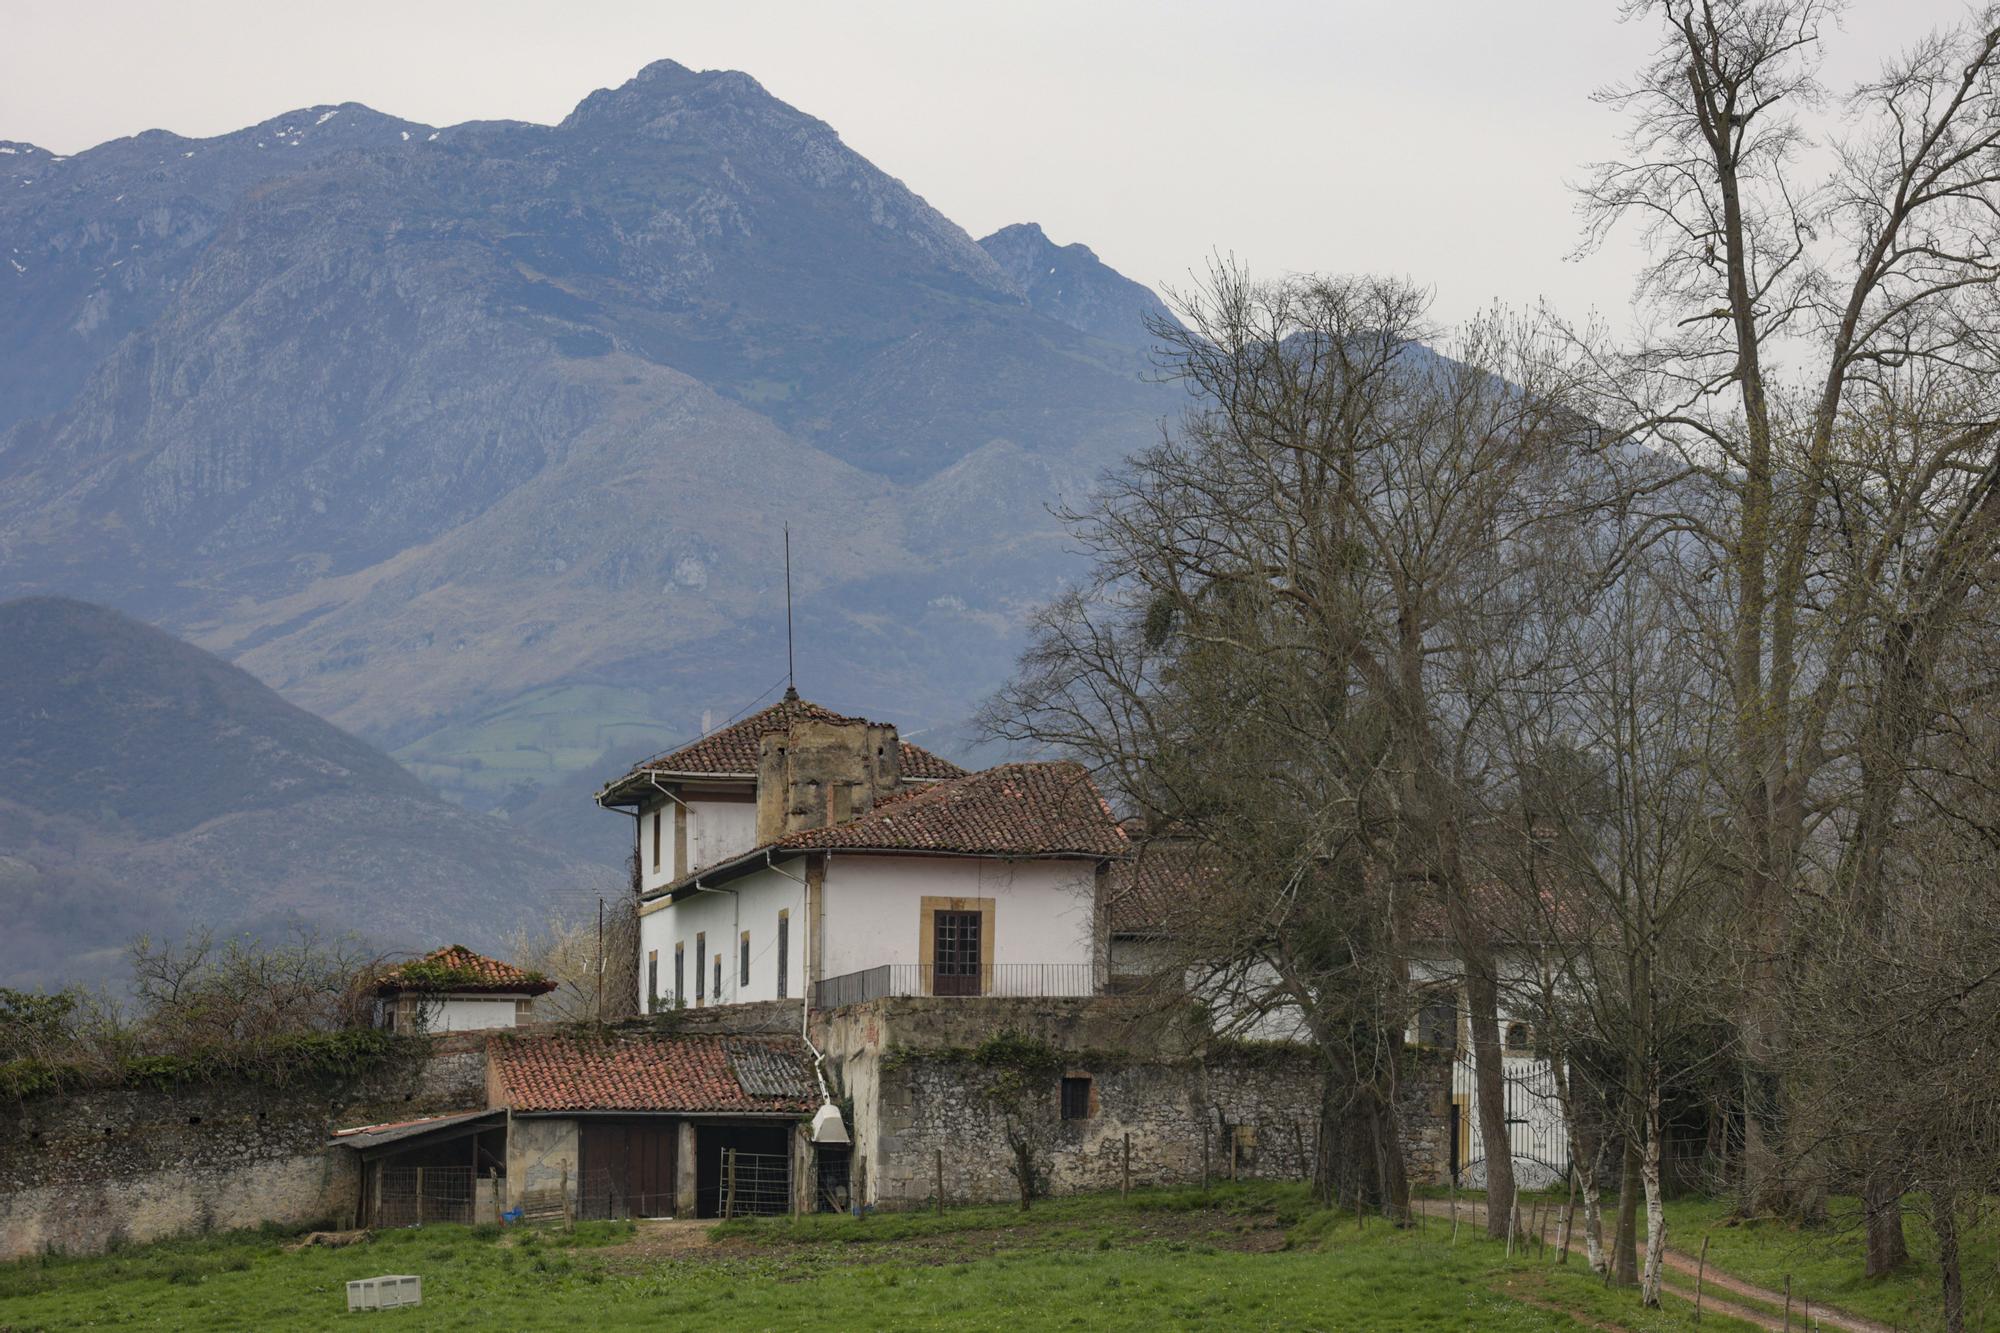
point(1076, 1098)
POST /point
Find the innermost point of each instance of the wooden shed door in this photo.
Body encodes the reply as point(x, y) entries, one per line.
point(956, 954)
point(627, 1167)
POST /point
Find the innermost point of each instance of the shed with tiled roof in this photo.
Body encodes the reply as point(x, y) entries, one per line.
point(455, 989)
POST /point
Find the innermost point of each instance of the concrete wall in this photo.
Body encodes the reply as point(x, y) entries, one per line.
point(82, 1171)
point(541, 1155)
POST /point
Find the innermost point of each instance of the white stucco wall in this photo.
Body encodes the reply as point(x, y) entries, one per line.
point(872, 915)
point(718, 830)
point(721, 916)
point(1043, 910)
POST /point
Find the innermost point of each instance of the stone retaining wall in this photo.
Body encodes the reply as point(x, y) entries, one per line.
point(81, 1172)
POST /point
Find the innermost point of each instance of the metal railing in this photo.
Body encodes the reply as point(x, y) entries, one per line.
point(994, 980)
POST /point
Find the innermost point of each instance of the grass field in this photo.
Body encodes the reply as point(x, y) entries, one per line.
point(1824, 1263)
point(1246, 1258)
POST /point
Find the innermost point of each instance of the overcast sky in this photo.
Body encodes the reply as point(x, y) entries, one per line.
point(1430, 140)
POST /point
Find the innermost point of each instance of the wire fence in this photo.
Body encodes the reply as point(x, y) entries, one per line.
point(409, 1196)
point(1003, 980)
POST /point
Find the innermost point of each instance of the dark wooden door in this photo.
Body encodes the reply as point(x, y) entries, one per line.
point(626, 1167)
point(956, 954)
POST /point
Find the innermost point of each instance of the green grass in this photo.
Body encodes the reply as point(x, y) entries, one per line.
point(1825, 1262)
point(1244, 1257)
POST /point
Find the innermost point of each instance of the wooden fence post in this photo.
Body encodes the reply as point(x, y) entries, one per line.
point(1700, 1272)
point(1454, 1210)
point(1788, 1303)
point(1125, 1177)
point(729, 1193)
point(420, 1196)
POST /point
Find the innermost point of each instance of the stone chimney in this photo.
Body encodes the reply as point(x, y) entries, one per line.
point(818, 773)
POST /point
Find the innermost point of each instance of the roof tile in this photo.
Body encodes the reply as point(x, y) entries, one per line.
point(1038, 809)
point(653, 1072)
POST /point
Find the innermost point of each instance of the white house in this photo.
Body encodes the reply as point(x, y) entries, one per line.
point(800, 847)
point(454, 989)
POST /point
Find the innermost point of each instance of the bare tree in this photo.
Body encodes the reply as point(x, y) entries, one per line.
point(592, 956)
point(1779, 309)
point(1263, 664)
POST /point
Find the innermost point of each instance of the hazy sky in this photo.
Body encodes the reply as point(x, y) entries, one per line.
point(1431, 139)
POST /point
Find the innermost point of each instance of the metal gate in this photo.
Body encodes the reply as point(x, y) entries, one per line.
point(755, 1184)
point(1537, 1133)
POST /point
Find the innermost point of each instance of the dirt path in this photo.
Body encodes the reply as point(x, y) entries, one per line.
point(1679, 1274)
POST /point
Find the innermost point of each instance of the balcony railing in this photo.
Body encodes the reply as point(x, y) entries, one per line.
point(995, 980)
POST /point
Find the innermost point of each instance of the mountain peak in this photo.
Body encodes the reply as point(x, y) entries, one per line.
point(661, 85)
point(1071, 284)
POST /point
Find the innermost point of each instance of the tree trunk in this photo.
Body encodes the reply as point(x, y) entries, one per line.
point(1882, 1203)
point(1625, 1249)
point(1656, 1213)
point(1482, 1002)
point(1944, 1222)
point(1593, 1214)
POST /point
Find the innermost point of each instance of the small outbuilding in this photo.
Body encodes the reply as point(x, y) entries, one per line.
point(454, 989)
point(645, 1124)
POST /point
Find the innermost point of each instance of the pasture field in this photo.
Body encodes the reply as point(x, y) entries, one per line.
point(1241, 1257)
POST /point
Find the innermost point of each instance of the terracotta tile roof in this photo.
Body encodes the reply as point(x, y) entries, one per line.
point(480, 972)
point(645, 1071)
point(732, 750)
point(1047, 809)
point(1146, 890)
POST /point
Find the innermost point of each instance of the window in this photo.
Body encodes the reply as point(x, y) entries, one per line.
point(680, 972)
point(1517, 1036)
point(1437, 1020)
point(743, 964)
point(659, 816)
point(1075, 1097)
point(784, 951)
point(701, 952)
point(718, 978)
point(652, 980)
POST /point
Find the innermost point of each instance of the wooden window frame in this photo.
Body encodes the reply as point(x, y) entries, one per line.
point(784, 953)
point(927, 909)
point(680, 972)
point(743, 961)
point(652, 981)
point(700, 972)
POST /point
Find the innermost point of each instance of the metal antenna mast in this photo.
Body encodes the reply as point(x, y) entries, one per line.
point(791, 677)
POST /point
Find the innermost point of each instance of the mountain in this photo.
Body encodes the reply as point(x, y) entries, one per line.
point(147, 787)
point(481, 441)
point(1069, 283)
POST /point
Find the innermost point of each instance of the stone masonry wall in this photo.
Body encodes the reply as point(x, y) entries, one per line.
point(82, 1171)
point(915, 1094)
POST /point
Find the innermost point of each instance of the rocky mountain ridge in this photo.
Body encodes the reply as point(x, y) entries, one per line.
point(480, 440)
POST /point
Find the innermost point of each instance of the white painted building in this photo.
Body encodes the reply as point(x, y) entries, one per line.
point(454, 989)
point(799, 847)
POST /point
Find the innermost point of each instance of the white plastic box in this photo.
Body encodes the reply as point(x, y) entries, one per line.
point(385, 1293)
